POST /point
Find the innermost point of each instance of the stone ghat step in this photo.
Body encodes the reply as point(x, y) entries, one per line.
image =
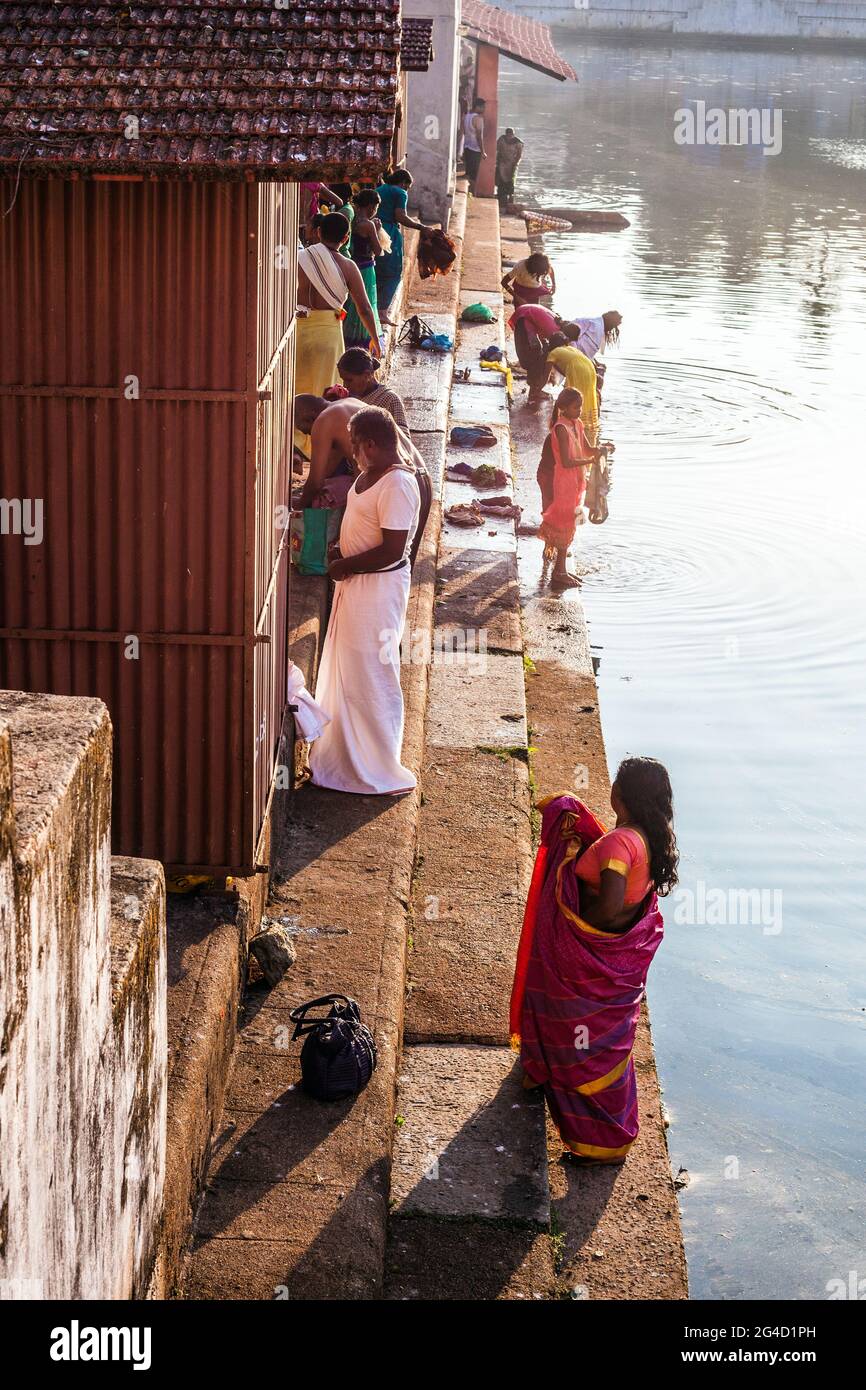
point(470, 1203)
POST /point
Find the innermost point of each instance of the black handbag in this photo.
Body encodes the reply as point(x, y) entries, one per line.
point(339, 1055)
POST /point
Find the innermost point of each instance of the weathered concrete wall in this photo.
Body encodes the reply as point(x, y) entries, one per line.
point(432, 112)
point(770, 19)
point(82, 1003)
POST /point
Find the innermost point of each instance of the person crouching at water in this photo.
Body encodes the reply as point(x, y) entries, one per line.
point(359, 675)
point(530, 280)
point(591, 928)
point(562, 474)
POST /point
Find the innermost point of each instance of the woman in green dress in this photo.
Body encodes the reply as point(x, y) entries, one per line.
point(394, 194)
point(367, 245)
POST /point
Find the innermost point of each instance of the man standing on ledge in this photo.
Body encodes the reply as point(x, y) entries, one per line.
point(359, 674)
point(509, 152)
point(473, 141)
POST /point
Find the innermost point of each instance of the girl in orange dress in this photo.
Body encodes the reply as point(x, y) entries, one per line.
point(562, 475)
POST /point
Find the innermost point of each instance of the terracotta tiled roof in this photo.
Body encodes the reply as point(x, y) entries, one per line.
point(416, 50)
point(525, 40)
point(218, 90)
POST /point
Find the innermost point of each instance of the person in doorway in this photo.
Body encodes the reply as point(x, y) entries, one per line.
point(393, 193)
point(530, 281)
point(473, 141)
point(509, 152)
point(533, 327)
point(326, 279)
point(358, 684)
point(367, 243)
point(591, 928)
point(358, 374)
point(579, 373)
point(562, 473)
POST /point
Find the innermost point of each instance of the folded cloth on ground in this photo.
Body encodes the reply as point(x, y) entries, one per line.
point(310, 718)
point(504, 509)
point(436, 342)
point(465, 514)
point(483, 476)
point(472, 437)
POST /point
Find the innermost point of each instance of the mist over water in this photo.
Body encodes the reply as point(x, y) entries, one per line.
point(726, 598)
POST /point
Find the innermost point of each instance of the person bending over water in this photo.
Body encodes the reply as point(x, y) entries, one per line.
point(591, 928)
point(592, 336)
point(530, 281)
point(581, 375)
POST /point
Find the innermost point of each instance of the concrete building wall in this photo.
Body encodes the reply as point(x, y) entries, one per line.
point(432, 108)
point(803, 19)
point(83, 1015)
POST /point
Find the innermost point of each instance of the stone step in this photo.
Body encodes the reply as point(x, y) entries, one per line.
point(470, 1203)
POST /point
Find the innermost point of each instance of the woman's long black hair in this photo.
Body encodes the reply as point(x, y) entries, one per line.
point(643, 785)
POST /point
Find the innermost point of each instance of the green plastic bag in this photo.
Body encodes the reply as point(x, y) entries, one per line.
point(310, 540)
point(477, 313)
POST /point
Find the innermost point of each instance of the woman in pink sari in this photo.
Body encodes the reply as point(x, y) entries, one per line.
point(591, 928)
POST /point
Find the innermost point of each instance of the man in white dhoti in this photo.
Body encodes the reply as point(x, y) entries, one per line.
point(359, 675)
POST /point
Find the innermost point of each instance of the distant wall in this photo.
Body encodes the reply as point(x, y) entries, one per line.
point(776, 19)
point(83, 1010)
point(432, 112)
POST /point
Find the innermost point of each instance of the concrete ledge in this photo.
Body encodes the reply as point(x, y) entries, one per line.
point(471, 879)
point(469, 1185)
point(207, 939)
point(477, 703)
point(308, 617)
point(478, 595)
point(455, 1106)
point(430, 1260)
point(138, 1045)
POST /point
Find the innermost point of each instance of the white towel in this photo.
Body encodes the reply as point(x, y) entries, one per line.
point(322, 269)
point(310, 718)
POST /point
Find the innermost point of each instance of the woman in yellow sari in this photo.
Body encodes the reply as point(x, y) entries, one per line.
point(580, 375)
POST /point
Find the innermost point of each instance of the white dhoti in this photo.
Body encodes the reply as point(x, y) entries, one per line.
point(359, 675)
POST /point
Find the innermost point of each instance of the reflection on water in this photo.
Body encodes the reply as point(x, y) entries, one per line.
point(726, 604)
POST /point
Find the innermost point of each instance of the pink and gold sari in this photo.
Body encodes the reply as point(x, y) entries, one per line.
point(577, 994)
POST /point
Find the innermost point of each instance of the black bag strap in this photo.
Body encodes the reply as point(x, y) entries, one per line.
point(414, 329)
point(298, 1015)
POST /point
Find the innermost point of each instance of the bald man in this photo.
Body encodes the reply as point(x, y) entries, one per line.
point(332, 450)
point(327, 424)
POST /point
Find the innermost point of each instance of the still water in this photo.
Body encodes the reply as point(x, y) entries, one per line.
point(726, 598)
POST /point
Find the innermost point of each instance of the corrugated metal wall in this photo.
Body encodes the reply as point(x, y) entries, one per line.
point(128, 404)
